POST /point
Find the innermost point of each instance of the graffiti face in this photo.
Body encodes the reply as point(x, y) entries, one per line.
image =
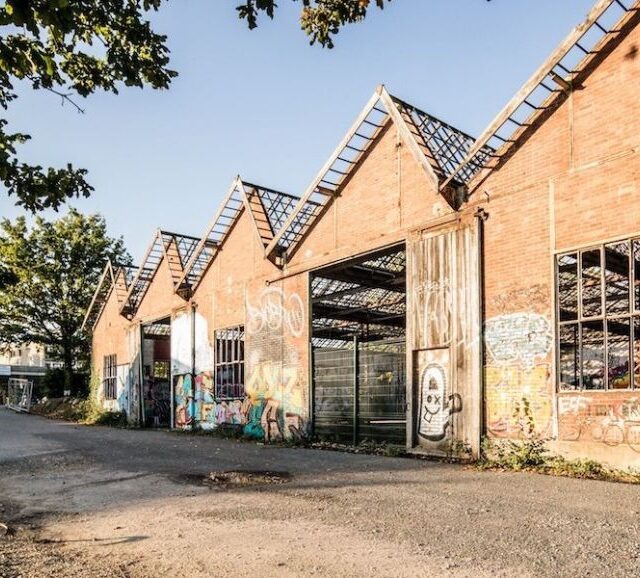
point(436, 408)
point(520, 338)
point(276, 312)
point(433, 398)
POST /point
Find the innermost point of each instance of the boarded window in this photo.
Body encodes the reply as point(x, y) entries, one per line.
point(229, 363)
point(110, 377)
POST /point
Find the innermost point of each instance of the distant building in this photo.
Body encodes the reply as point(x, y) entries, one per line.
point(26, 360)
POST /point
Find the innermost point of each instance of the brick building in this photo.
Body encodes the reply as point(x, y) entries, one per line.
point(424, 289)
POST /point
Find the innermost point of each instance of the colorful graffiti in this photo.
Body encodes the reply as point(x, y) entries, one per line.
point(276, 401)
point(506, 386)
point(518, 346)
point(260, 414)
point(274, 388)
point(276, 311)
point(436, 407)
point(274, 404)
point(183, 400)
point(613, 422)
point(519, 338)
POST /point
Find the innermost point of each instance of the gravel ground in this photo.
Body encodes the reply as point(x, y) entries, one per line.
point(92, 502)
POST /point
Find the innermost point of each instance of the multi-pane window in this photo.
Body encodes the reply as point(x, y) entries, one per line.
point(110, 377)
point(161, 370)
point(599, 317)
point(229, 363)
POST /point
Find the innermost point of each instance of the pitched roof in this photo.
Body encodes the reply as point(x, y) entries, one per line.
point(268, 208)
point(176, 248)
point(114, 278)
point(551, 83)
point(437, 146)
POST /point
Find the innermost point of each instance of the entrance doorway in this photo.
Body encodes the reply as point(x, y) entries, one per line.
point(156, 373)
point(358, 348)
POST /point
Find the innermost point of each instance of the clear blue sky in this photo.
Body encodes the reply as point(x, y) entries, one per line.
point(270, 107)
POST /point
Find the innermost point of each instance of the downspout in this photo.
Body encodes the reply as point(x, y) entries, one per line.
point(193, 366)
point(141, 374)
point(481, 216)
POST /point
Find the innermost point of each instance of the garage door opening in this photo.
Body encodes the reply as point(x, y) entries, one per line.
point(358, 348)
point(156, 373)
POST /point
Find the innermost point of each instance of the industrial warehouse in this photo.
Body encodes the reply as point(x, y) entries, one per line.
point(427, 289)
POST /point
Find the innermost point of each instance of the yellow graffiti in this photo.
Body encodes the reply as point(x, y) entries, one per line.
point(505, 389)
point(272, 381)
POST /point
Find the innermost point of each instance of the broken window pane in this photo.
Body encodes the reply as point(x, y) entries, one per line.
point(591, 283)
point(568, 287)
point(618, 352)
point(569, 357)
point(593, 361)
point(617, 277)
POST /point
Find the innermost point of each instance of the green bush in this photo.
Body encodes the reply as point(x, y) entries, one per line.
point(529, 451)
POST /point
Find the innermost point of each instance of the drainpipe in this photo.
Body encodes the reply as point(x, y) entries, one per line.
point(356, 408)
point(481, 216)
point(141, 374)
point(193, 365)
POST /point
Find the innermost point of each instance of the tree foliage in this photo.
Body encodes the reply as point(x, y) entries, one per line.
point(71, 47)
point(321, 20)
point(53, 269)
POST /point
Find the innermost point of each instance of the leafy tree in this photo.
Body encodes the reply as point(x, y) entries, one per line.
point(55, 267)
point(71, 48)
point(320, 19)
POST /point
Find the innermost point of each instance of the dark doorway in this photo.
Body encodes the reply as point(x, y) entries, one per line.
point(358, 348)
point(156, 373)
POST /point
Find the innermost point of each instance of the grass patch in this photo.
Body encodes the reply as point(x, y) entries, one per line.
point(82, 411)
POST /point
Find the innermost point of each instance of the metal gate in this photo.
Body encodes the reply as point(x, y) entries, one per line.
point(360, 392)
point(19, 394)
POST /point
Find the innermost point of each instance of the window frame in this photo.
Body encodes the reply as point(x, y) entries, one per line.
point(110, 377)
point(237, 363)
point(632, 315)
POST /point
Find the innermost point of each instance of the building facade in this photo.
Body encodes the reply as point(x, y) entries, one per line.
point(428, 288)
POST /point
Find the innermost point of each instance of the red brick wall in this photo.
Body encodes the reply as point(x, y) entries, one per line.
point(575, 182)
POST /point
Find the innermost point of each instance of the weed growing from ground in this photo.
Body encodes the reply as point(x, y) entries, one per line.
point(530, 453)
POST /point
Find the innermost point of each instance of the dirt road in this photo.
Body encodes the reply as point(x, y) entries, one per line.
point(90, 501)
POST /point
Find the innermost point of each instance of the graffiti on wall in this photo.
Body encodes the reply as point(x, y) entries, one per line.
point(505, 388)
point(126, 395)
point(275, 331)
point(274, 404)
point(277, 402)
point(518, 347)
point(276, 311)
point(436, 405)
point(433, 308)
point(518, 338)
point(268, 411)
point(183, 396)
point(613, 422)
